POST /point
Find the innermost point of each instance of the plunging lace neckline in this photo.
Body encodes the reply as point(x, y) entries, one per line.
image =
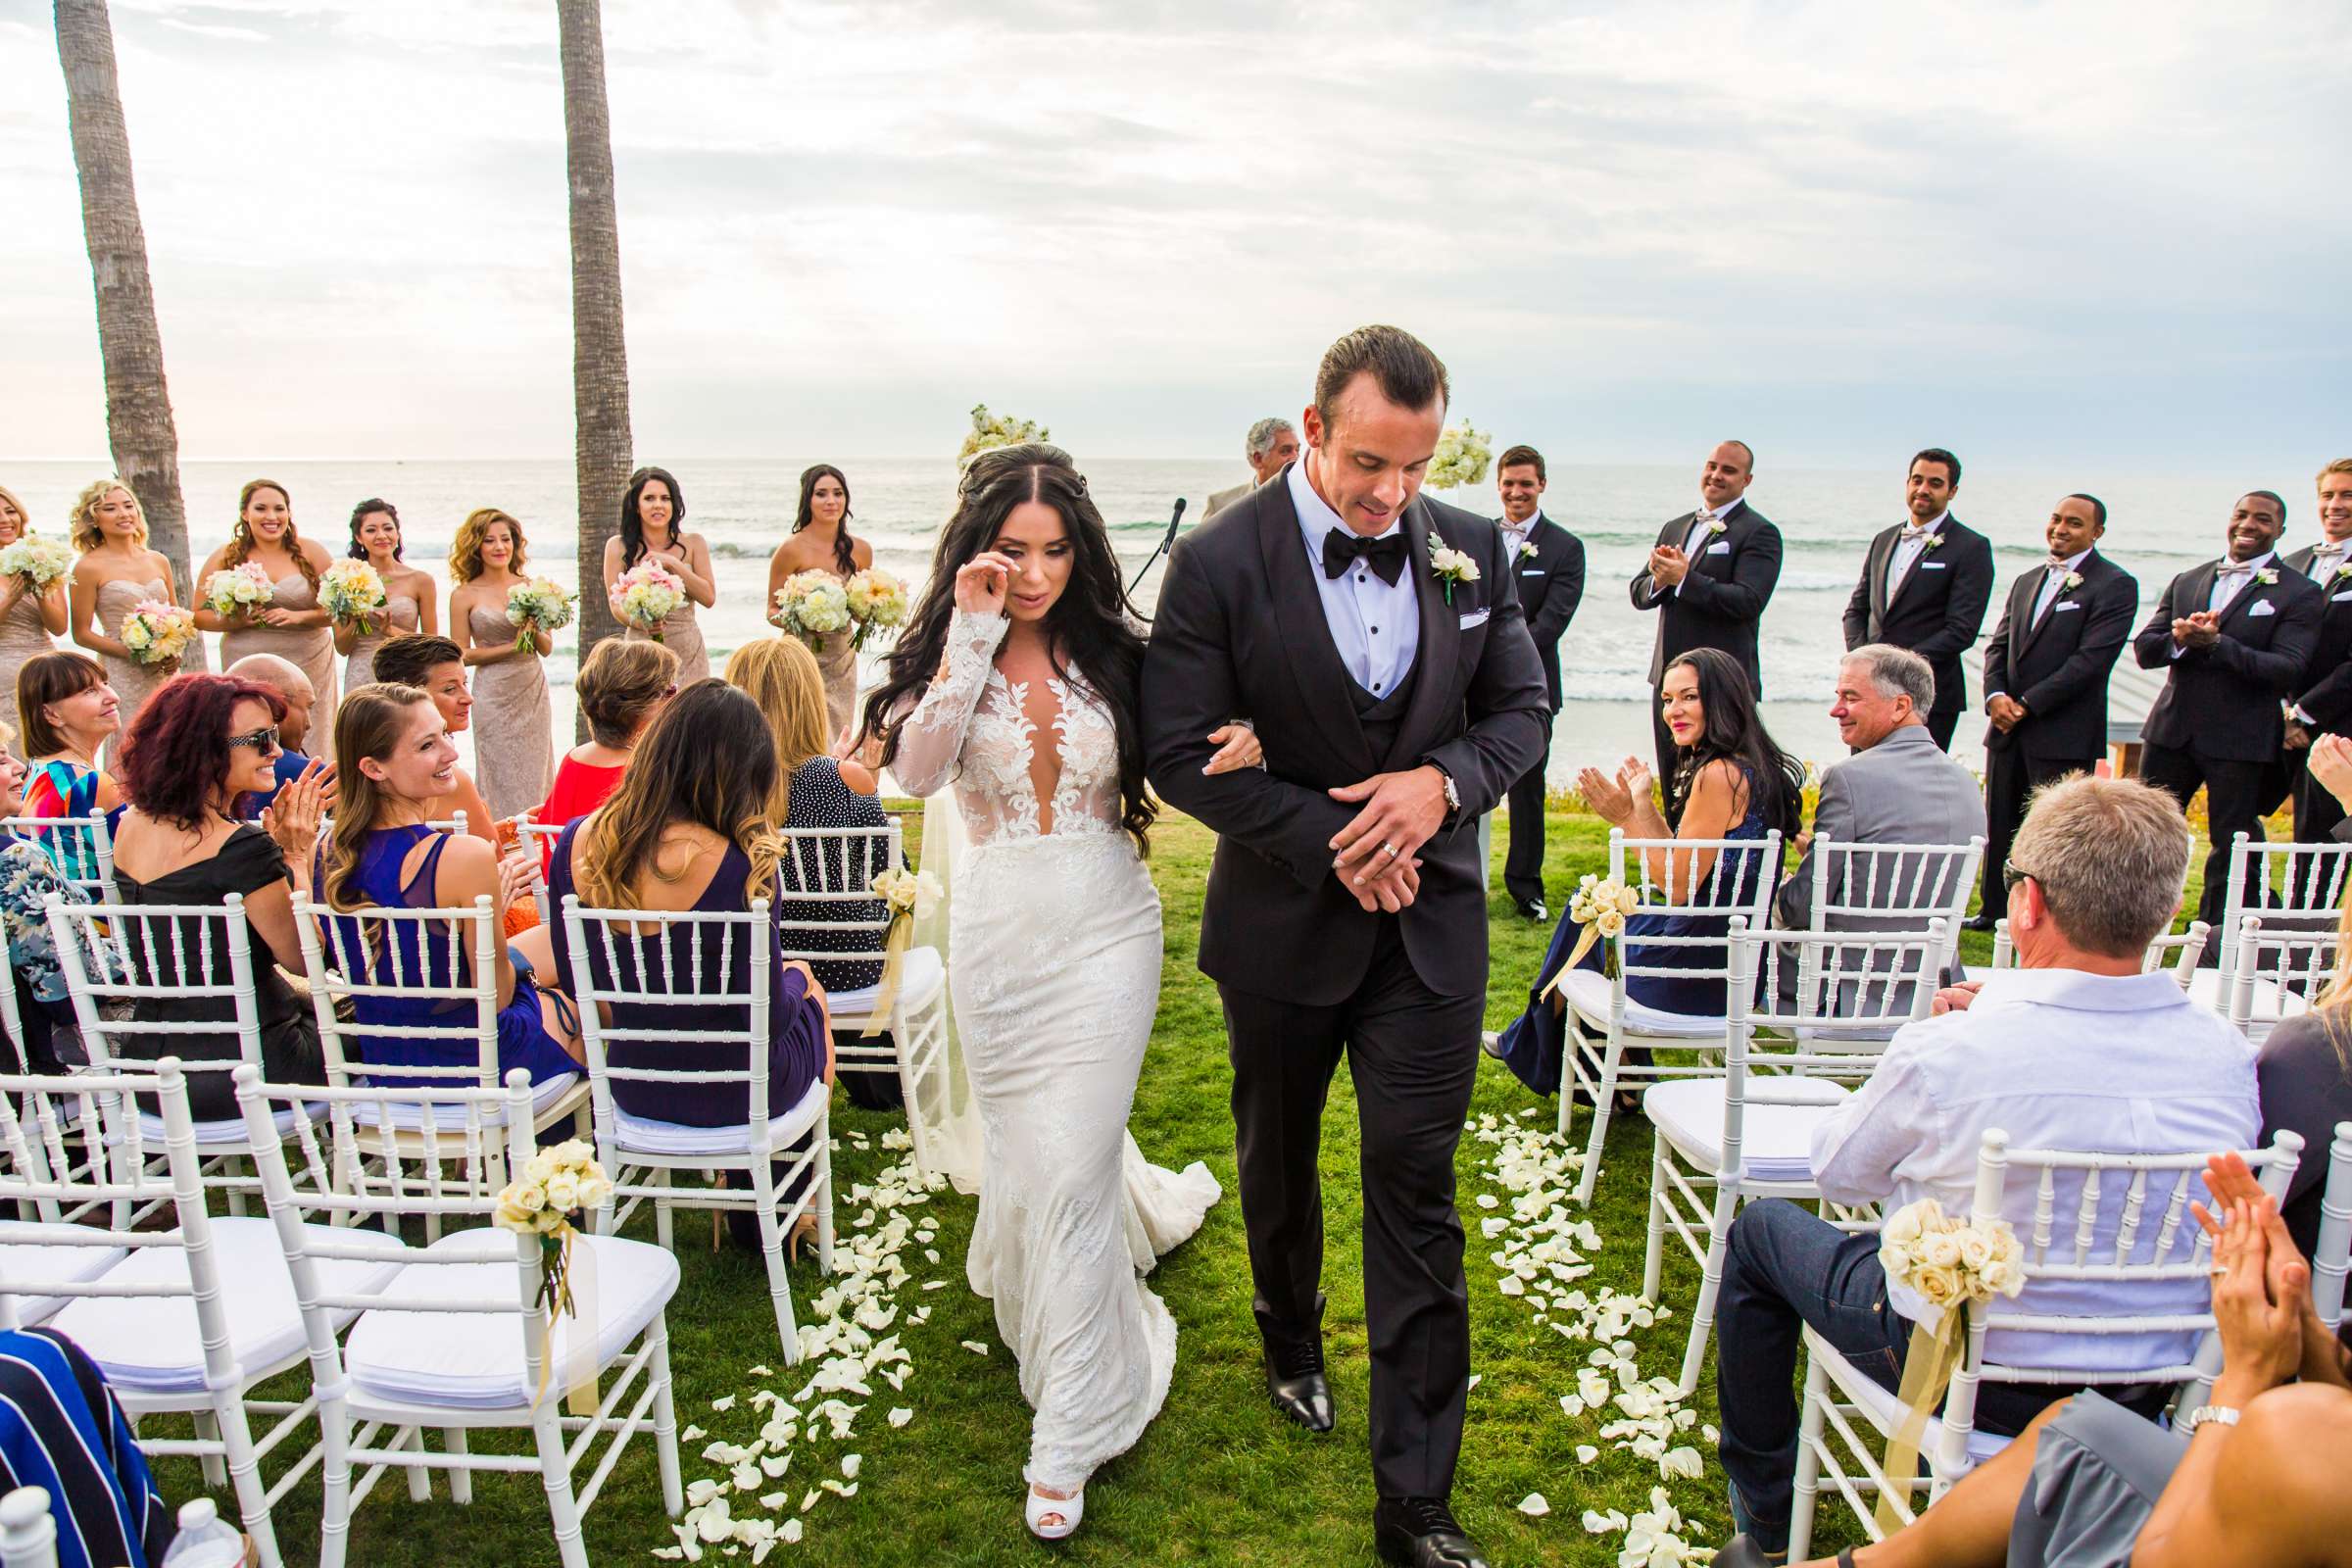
point(1044, 771)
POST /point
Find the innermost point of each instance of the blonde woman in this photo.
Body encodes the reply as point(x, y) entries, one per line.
point(514, 727)
point(408, 607)
point(291, 625)
point(116, 571)
point(812, 789)
point(29, 621)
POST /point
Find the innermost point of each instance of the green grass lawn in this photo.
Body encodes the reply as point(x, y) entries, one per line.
point(1217, 1477)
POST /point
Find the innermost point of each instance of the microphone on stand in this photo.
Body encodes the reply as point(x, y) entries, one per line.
point(1166, 543)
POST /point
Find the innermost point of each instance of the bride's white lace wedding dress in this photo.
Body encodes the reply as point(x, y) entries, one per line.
point(1054, 974)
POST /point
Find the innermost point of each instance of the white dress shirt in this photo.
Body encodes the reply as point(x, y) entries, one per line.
point(2233, 577)
point(1517, 534)
point(1909, 546)
point(2326, 555)
point(1375, 626)
point(2054, 578)
point(2057, 1059)
point(1697, 538)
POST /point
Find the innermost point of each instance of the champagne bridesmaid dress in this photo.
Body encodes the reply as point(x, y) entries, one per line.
point(400, 617)
point(21, 635)
point(311, 649)
point(513, 726)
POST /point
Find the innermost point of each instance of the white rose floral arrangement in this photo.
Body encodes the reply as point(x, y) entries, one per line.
point(556, 1184)
point(907, 896)
point(351, 591)
point(1601, 906)
point(878, 601)
point(157, 633)
point(992, 431)
point(539, 605)
point(239, 590)
point(37, 563)
point(812, 606)
point(1462, 458)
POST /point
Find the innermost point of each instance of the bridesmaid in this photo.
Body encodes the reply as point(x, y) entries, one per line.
point(409, 606)
point(649, 514)
point(29, 620)
point(291, 625)
point(513, 726)
point(116, 571)
point(820, 541)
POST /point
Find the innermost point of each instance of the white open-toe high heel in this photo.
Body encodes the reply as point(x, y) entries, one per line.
point(1063, 1512)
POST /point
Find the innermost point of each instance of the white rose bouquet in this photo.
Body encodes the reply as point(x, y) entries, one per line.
point(878, 601)
point(36, 562)
point(646, 594)
point(157, 633)
point(556, 1184)
point(812, 605)
point(239, 590)
point(351, 590)
point(1956, 1266)
point(907, 895)
point(1462, 458)
point(1602, 905)
point(540, 604)
point(992, 431)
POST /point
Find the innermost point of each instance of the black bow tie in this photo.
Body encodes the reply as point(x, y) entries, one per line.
point(1385, 556)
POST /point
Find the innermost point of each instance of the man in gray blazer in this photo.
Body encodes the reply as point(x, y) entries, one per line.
point(1898, 787)
point(1269, 447)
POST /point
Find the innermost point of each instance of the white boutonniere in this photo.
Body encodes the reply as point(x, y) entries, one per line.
point(1527, 552)
point(2071, 581)
point(1450, 564)
point(2343, 568)
point(1935, 541)
point(1716, 526)
point(2268, 576)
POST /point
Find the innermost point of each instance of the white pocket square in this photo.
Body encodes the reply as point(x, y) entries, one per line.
point(1531, 571)
point(1718, 549)
point(1933, 566)
point(2261, 607)
point(2337, 599)
point(2063, 605)
point(1475, 618)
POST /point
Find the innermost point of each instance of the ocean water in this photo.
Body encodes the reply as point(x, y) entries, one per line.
point(2156, 527)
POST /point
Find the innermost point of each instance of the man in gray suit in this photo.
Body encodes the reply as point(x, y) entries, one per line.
point(1899, 787)
point(1271, 444)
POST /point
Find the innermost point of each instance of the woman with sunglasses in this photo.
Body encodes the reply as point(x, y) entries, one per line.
point(200, 742)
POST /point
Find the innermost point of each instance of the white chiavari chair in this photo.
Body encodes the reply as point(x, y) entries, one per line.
point(659, 987)
point(453, 1337)
point(82, 848)
point(540, 839)
point(1612, 1040)
point(1723, 1142)
point(2276, 974)
point(2295, 888)
point(27, 1533)
point(190, 1320)
point(2085, 1221)
point(1890, 889)
point(2177, 952)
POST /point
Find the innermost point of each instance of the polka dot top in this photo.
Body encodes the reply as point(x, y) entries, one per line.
point(820, 798)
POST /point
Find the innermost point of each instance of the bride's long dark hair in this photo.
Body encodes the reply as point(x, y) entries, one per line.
point(1092, 625)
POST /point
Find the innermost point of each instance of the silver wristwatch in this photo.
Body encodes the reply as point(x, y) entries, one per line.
point(2221, 1415)
point(1454, 797)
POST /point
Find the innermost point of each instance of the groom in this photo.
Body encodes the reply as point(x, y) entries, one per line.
point(1397, 694)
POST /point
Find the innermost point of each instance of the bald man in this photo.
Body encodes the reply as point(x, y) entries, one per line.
point(294, 688)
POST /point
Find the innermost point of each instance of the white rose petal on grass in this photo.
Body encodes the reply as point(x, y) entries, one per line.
point(724, 1403)
point(901, 1416)
point(774, 1501)
point(690, 1434)
point(790, 1534)
point(758, 1372)
point(1586, 1454)
point(1602, 1524)
point(851, 1465)
point(1681, 1464)
point(1534, 1506)
point(1488, 1200)
point(974, 1346)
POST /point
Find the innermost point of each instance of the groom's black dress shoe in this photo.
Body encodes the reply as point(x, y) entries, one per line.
point(1979, 922)
point(1296, 1383)
point(1421, 1532)
point(1533, 910)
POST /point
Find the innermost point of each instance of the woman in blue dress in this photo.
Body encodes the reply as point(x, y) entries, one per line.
point(396, 770)
point(1733, 783)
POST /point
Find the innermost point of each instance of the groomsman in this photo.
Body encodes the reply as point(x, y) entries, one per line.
point(2234, 635)
point(2062, 629)
point(2325, 706)
point(1924, 585)
point(1709, 577)
point(1270, 444)
point(1548, 562)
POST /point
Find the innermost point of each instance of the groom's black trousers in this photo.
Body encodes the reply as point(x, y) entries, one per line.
point(1413, 1055)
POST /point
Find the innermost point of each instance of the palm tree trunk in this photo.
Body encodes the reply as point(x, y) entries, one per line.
point(599, 356)
point(139, 406)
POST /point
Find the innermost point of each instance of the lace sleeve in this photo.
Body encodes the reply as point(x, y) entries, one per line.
point(932, 734)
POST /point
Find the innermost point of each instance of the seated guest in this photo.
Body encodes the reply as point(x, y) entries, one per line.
point(199, 743)
point(1898, 787)
point(27, 878)
point(2076, 1049)
point(398, 766)
point(2230, 1485)
point(623, 684)
point(1730, 782)
point(686, 831)
point(2305, 1067)
point(284, 677)
point(69, 712)
point(61, 1430)
point(813, 789)
point(435, 666)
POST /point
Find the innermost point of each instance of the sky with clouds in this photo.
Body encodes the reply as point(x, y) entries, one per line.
point(2025, 231)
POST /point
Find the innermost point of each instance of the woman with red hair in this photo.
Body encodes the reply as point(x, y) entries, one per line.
point(200, 742)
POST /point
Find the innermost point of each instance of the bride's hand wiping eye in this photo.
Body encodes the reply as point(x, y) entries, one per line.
point(982, 582)
point(1236, 749)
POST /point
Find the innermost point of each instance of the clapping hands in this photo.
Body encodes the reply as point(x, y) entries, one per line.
point(1668, 567)
point(1615, 800)
point(2200, 629)
point(291, 818)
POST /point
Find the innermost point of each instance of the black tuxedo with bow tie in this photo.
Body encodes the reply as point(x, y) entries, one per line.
point(2325, 690)
point(1552, 585)
point(1936, 611)
point(1305, 974)
point(2217, 722)
point(1719, 603)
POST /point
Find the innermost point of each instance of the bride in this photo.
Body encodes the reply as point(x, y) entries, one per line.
point(1054, 926)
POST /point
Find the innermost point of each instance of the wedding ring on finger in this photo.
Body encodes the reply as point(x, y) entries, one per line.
point(1389, 849)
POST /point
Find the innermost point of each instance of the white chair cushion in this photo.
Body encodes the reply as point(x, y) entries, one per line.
point(1775, 1139)
point(1589, 994)
point(475, 1361)
point(638, 1135)
point(47, 1263)
point(919, 978)
point(214, 1134)
point(1884, 1412)
point(150, 1345)
point(408, 1115)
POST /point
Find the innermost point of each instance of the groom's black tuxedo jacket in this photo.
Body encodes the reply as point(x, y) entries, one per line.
point(1240, 631)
